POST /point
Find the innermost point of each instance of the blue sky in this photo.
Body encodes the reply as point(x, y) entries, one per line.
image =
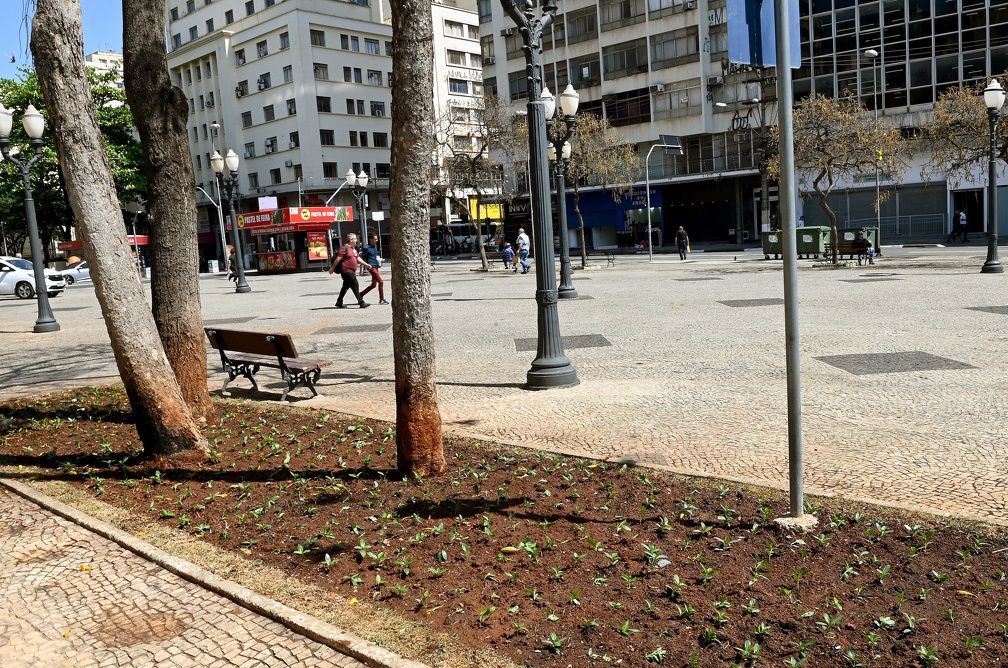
point(102, 32)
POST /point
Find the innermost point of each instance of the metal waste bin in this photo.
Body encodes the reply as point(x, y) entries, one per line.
point(772, 244)
point(812, 241)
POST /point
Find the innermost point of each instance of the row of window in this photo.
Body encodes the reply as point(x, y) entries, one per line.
point(614, 13)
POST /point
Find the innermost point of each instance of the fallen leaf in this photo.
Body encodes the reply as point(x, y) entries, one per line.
point(84, 567)
point(353, 601)
point(67, 634)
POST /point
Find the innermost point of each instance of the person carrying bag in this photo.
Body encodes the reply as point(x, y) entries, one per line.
point(346, 264)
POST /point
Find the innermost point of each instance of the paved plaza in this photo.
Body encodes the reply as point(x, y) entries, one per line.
point(681, 366)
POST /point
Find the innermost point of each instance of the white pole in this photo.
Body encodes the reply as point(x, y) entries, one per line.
point(647, 187)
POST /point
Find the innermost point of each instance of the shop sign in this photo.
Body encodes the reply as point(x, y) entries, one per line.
point(318, 248)
point(280, 261)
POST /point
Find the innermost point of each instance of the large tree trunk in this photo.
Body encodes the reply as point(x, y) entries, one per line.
point(161, 111)
point(163, 420)
point(418, 423)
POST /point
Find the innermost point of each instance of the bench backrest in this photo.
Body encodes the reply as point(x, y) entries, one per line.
point(255, 343)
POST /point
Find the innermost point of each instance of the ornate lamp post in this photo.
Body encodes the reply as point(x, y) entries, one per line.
point(34, 125)
point(550, 368)
point(360, 193)
point(227, 188)
point(994, 98)
point(873, 55)
point(559, 144)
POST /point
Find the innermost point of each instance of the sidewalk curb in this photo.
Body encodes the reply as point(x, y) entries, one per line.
point(299, 622)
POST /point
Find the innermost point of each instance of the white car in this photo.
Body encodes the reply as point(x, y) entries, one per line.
point(76, 272)
point(17, 277)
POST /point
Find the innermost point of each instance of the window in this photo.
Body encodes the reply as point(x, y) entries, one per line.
point(363, 138)
point(357, 76)
point(176, 40)
point(174, 13)
point(323, 104)
point(229, 16)
point(377, 108)
point(195, 133)
point(327, 137)
point(247, 119)
point(239, 57)
point(485, 8)
point(250, 8)
point(291, 107)
point(388, 49)
point(372, 46)
point(284, 40)
point(472, 32)
point(360, 107)
point(344, 41)
point(209, 25)
point(275, 176)
point(190, 6)
point(456, 58)
point(350, 107)
point(253, 180)
point(295, 140)
point(199, 162)
point(454, 29)
point(517, 85)
point(209, 72)
point(354, 43)
point(321, 71)
point(288, 72)
point(625, 59)
point(618, 13)
point(202, 105)
point(271, 145)
point(581, 25)
point(242, 88)
point(490, 84)
point(348, 74)
point(268, 114)
point(188, 76)
point(210, 99)
point(353, 138)
point(383, 170)
point(250, 150)
point(330, 170)
point(380, 140)
point(270, 3)
point(675, 47)
point(262, 49)
point(264, 81)
point(317, 37)
point(374, 78)
point(458, 86)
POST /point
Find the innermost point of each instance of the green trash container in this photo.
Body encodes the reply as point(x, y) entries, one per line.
point(772, 244)
point(850, 233)
point(812, 241)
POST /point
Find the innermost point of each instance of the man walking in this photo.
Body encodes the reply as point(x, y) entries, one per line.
point(372, 261)
point(523, 250)
point(682, 242)
point(346, 264)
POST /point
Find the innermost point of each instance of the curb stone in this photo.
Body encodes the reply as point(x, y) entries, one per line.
point(299, 622)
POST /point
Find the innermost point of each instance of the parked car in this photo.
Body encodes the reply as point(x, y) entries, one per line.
point(78, 271)
point(17, 277)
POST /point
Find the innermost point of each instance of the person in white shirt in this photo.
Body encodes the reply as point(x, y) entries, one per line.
point(523, 250)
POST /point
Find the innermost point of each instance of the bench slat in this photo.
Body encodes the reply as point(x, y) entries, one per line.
point(257, 343)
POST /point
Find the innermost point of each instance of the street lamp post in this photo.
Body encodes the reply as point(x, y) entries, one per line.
point(559, 152)
point(214, 131)
point(227, 189)
point(994, 98)
point(551, 367)
point(668, 143)
point(360, 193)
point(760, 105)
point(34, 125)
point(873, 55)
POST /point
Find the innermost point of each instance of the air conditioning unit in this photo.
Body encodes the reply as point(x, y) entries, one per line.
point(715, 81)
point(289, 163)
point(209, 103)
point(507, 32)
point(657, 88)
point(239, 92)
point(249, 154)
point(291, 145)
point(689, 4)
point(489, 60)
point(261, 85)
point(261, 191)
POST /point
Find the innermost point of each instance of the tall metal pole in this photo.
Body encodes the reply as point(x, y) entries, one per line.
point(45, 321)
point(550, 368)
point(566, 289)
point(993, 264)
point(361, 195)
point(878, 198)
point(228, 185)
point(647, 191)
point(787, 210)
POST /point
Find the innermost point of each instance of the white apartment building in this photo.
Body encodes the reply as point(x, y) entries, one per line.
point(301, 91)
point(661, 67)
point(104, 62)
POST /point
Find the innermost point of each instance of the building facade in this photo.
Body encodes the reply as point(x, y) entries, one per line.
point(661, 67)
point(301, 91)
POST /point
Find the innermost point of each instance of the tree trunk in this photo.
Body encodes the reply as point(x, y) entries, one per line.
point(163, 420)
point(479, 232)
point(581, 237)
point(420, 449)
point(160, 111)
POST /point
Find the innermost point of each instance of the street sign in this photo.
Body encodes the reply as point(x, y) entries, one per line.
point(751, 33)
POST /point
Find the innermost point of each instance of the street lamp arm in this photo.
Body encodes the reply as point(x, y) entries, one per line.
point(335, 193)
point(209, 197)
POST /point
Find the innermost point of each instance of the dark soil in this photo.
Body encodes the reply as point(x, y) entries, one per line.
point(551, 560)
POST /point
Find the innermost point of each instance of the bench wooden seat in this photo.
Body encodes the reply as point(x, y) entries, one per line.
point(243, 353)
point(857, 248)
point(609, 256)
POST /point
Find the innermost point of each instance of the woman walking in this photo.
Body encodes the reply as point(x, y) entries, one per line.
point(346, 264)
point(372, 261)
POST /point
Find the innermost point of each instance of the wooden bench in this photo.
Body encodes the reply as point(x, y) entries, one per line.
point(243, 353)
point(857, 248)
point(609, 256)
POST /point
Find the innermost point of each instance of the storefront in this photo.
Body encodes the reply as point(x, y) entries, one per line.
point(295, 239)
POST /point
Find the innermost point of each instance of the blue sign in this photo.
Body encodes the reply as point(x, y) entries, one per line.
point(752, 37)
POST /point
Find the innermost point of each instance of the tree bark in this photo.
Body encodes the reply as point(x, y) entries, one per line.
point(420, 449)
point(160, 111)
point(163, 419)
